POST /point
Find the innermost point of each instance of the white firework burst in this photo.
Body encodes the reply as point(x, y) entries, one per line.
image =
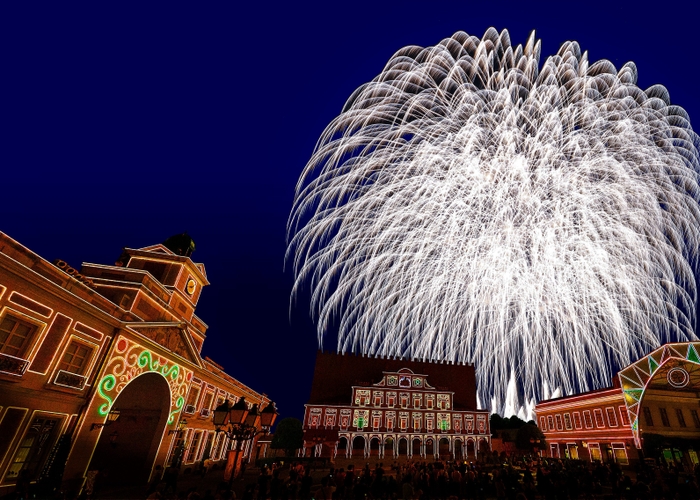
point(470, 206)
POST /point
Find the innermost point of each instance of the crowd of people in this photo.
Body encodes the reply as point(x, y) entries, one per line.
point(511, 479)
point(514, 480)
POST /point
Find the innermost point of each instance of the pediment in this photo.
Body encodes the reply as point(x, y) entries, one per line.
point(174, 338)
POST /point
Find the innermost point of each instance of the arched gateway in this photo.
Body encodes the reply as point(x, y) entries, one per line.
point(127, 448)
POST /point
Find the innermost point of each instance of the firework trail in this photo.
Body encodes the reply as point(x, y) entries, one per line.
point(468, 205)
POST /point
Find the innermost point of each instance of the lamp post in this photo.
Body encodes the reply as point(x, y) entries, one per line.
point(239, 423)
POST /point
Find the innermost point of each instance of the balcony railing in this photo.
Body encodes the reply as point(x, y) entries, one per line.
point(68, 379)
point(13, 365)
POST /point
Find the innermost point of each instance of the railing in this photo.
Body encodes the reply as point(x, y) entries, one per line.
point(13, 365)
point(68, 379)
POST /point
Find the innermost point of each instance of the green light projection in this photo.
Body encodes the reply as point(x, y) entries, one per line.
point(130, 360)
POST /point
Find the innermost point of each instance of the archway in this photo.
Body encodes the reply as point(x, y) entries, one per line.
point(126, 450)
point(484, 446)
point(415, 449)
point(444, 449)
point(358, 446)
point(342, 448)
point(389, 448)
point(429, 447)
point(458, 449)
point(471, 451)
point(403, 447)
point(374, 447)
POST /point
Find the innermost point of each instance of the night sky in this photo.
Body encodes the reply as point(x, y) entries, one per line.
point(125, 125)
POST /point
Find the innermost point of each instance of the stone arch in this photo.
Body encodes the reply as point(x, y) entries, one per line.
point(429, 447)
point(374, 448)
point(471, 448)
point(130, 360)
point(389, 447)
point(359, 444)
point(457, 450)
point(403, 447)
point(444, 448)
point(127, 448)
point(416, 445)
point(342, 445)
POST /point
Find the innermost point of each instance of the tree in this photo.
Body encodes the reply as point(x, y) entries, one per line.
point(289, 436)
point(529, 437)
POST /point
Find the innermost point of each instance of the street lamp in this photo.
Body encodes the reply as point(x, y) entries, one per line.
point(112, 417)
point(239, 423)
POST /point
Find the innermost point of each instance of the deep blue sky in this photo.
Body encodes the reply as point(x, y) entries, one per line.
point(125, 125)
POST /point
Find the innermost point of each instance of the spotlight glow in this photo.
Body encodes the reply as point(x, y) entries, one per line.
point(468, 205)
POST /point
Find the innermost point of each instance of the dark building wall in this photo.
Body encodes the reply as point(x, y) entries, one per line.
point(335, 374)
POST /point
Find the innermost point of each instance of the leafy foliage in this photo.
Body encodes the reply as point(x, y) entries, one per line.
point(289, 435)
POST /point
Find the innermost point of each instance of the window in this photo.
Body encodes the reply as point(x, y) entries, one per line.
point(624, 416)
point(416, 422)
point(377, 398)
point(681, 418)
point(599, 418)
point(567, 421)
point(664, 417)
point(391, 399)
point(34, 448)
point(577, 420)
point(543, 424)
point(587, 419)
point(404, 423)
point(550, 421)
point(647, 417)
point(192, 398)
point(16, 336)
point(76, 358)
point(612, 419)
point(696, 419)
point(620, 453)
point(208, 398)
point(416, 400)
point(194, 446)
point(557, 417)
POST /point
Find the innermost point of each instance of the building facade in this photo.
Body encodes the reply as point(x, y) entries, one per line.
point(655, 399)
point(79, 348)
point(389, 408)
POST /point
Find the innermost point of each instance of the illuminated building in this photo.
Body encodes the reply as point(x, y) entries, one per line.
point(656, 398)
point(390, 408)
point(79, 348)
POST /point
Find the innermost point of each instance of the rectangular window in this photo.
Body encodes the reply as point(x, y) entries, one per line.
point(416, 401)
point(76, 358)
point(429, 403)
point(599, 418)
point(557, 417)
point(624, 416)
point(587, 419)
point(377, 398)
point(647, 417)
point(577, 420)
point(194, 446)
point(612, 419)
point(404, 423)
point(16, 336)
point(664, 417)
point(34, 448)
point(696, 418)
point(550, 421)
point(567, 421)
point(620, 453)
point(681, 418)
point(376, 422)
point(543, 424)
point(391, 399)
point(192, 398)
point(206, 406)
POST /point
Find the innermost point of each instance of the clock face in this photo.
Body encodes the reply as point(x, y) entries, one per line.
point(191, 286)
